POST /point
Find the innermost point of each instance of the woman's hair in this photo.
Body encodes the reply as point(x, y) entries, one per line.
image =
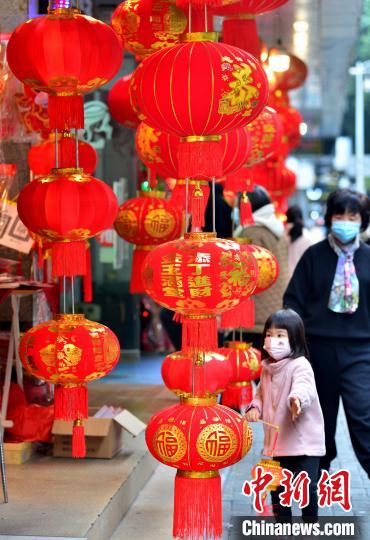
point(344, 200)
point(294, 215)
point(293, 324)
point(258, 198)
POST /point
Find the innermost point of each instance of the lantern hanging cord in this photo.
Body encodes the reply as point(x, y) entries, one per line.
point(206, 17)
point(186, 204)
point(214, 204)
point(56, 150)
point(64, 294)
point(77, 150)
point(60, 4)
point(73, 293)
point(189, 17)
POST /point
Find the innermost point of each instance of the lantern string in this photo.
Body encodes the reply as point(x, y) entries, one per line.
point(56, 150)
point(240, 334)
point(186, 204)
point(234, 334)
point(214, 204)
point(64, 294)
point(77, 149)
point(189, 17)
point(206, 17)
point(73, 293)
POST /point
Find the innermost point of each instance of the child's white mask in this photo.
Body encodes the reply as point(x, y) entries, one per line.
point(277, 347)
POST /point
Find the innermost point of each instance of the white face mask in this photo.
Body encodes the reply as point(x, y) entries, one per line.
point(277, 347)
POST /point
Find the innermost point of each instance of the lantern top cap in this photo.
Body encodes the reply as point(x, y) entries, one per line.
point(69, 170)
point(156, 194)
point(201, 36)
point(237, 345)
point(199, 401)
point(241, 241)
point(70, 317)
point(63, 12)
point(200, 235)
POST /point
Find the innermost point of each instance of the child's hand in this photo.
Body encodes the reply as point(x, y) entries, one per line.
point(295, 407)
point(253, 415)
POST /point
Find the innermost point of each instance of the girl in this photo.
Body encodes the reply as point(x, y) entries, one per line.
point(287, 397)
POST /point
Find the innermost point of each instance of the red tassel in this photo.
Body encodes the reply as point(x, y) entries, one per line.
point(197, 506)
point(70, 402)
point(177, 317)
point(242, 33)
point(178, 197)
point(241, 316)
point(69, 258)
point(87, 280)
point(152, 178)
point(200, 158)
point(199, 334)
point(246, 215)
point(136, 284)
point(197, 208)
point(67, 151)
point(66, 112)
point(78, 440)
point(237, 395)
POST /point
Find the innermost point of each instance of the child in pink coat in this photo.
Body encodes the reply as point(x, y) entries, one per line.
point(287, 397)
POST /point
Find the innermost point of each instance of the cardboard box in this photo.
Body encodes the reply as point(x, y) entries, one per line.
point(104, 436)
point(18, 453)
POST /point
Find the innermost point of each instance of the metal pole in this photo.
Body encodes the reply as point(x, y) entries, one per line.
point(360, 129)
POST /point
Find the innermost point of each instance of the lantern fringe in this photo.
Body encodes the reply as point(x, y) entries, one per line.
point(66, 112)
point(67, 152)
point(197, 508)
point(68, 258)
point(242, 33)
point(241, 316)
point(237, 397)
point(199, 334)
point(197, 208)
point(152, 178)
point(177, 317)
point(200, 158)
point(246, 214)
point(87, 279)
point(178, 197)
point(136, 284)
point(70, 402)
point(78, 440)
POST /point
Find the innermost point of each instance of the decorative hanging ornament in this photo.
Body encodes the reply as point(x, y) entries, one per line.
point(199, 90)
point(147, 221)
point(198, 437)
point(50, 53)
point(294, 76)
point(120, 105)
point(266, 132)
point(65, 208)
point(146, 26)
point(70, 352)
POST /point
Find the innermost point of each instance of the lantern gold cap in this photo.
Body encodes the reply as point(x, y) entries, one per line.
point(237, 345)
point(156, 194)
point(70, 317)
point(201, 36)
point(198, 474)
point(67, 170)
point(199, 401)
point(200, 235)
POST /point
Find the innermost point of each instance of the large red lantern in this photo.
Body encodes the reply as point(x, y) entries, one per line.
point(199, 276)
point(146, 26)
point(51, 52)
point(147, 221)
point(199, 90)
point(198, 437)
point(65, 208)
point(120, 105)
point(70, 352)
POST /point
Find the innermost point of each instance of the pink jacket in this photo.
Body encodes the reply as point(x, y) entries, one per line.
point(280, 381)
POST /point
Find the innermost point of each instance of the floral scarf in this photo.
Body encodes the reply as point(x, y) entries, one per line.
point(344, 293)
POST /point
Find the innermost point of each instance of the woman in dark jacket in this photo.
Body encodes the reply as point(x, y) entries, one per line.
point(330, 289)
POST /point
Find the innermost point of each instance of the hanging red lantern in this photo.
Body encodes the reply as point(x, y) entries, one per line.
point(205, 375)
point(65, 208)
point(294, 76)
point(277, 179)
point(199, 90)
point(245, 361)
point(120, 105)
point(198, 437)
point(146, 26)
point(50, 53)
point(266, 132)
point(41, 157)
point(70, 352)
point(292, 120)
point(199, 276)
point(146, 221)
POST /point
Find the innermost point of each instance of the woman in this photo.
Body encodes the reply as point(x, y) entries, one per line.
point(330, 289)
point(298, 237)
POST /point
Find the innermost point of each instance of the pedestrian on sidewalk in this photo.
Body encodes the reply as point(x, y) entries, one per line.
point(287, 397)
point(330, 289)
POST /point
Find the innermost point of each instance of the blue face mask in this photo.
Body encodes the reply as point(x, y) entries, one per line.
point(345, 231)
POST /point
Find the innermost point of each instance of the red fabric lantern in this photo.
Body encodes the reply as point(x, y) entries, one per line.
point(206, 374)
point(198, 91)
point(66, 208)
point(198, 437)
point(146, 26)
point(199, 276)
point(292, 120)
point(277, 179)
point(294, 77)
point(51, 53)
point(120, 105)
point(245, 361)
point(266, 132)
point(41, 157)
point(69, 352)
point(147, 221)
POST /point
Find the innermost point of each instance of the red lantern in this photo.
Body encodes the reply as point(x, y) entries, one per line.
point(41, 157)
point(294, 77)
point(120, 105)
point(207, 374)
point(198, 91)
point(69, 352)
point(246, 366)
point(198, 437)
point(146, 26)
point(292, 120)
point(277, 179)
point(51, 53)
point(147, 221)
point(66, 208)
point(199, 276)
point(266, 132)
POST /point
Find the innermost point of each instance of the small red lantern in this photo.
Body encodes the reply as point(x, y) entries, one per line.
point(198, 437)
point(147, 221)
point(66, 208)
point(266, 132)
point(120, 105)
point(292, 120)
point(294, 76)
point(146, 26)
point(50, 53)
point(69, 352)
point(41, 157)
point(277, 179)
point(206, 374)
